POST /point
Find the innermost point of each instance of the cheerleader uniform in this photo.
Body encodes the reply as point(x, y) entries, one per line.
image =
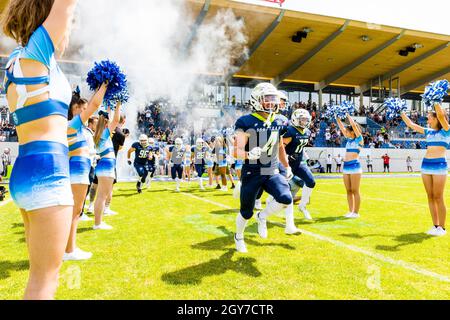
point(41, 174)
point(353, 166)
point(106, 165)
point(436, 138)
point(80, 166)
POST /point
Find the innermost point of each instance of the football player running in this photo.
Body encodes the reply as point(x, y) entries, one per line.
point(198, 154)
point(258, 143)
point(295, 140)
point(175, 156)
point(142, 151)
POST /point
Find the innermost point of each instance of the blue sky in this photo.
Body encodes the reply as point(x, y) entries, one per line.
point(431, 16)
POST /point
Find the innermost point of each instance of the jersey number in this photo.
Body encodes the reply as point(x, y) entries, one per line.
point(143, 154)
point(268, 148)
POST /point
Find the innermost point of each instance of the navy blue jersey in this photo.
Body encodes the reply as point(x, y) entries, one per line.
point(265, 135)
point(141, 153)
point(152, 154)
point(199, 155)
point(177, 156)
point(300, 139)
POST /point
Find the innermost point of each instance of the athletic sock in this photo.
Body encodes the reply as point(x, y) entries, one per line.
point(200, 181)
point(241, 223)
point(290, 221)
point(306, 195)
point(272, 208)
point(178, 182)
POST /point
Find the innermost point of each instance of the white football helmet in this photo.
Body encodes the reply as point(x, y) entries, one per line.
point(151, 141)
point(284, 100)
point(265, 98)
point(178, 143)
point(199, 143)
point(143, 140)
point(301, 118)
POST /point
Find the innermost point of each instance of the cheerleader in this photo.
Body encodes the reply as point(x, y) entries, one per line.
point(105, 169)
point(80, 163)
point(39, 95)
point(434, 165)
point(352, 167)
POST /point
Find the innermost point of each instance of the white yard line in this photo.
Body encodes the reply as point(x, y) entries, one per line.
point(377, 256)
point(5, 202)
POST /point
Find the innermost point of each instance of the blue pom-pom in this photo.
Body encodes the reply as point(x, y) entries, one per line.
point(331, 111)
point(394, 107)
point(435, 93)
point(117, 81)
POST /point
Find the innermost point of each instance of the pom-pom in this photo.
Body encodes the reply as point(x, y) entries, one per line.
point(435, 93)
point(330, 113)
point(108, 71)
point(394, 107)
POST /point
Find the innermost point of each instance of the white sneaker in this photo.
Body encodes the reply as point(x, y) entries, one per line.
point(77, 255)
point(440, 232)
point(291, 230)
point(90, 208)
point(177, 190)
point(102, 226)
point(269, 200)
point(432, 231)
point(109, 212)
point(305, 213)
point(224, 189)
point(84, 218)
point(258, 204)
point(352, 215)
point(240, 245)
point(262, 227)
point(202, 188)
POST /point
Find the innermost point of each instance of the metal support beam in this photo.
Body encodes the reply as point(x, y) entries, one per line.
point(282, 76)
point(201, 16)
point(245, 57)
point(424, 80)
point(342, 72)
point(366, 86)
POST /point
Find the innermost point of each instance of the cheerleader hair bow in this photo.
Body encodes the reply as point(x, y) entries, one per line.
point(435, 93)
point(104, 114)
point(108, 71)
point(394, 107)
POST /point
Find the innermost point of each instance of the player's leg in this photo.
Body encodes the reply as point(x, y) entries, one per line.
point(140, 170)
point(179, 175)
point(278, 187)
point(251, 185)
point(305, 174)
point(200, 168)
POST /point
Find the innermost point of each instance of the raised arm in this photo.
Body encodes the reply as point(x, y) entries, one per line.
point(354, 126)
point(58, 22)
point(411, 124)
point(341, 127)
point(115, 121)
point(440, 113)
point(95, 103)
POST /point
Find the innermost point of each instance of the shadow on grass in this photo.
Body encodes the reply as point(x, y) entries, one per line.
point(194, 275)
point(225, 212)
point(7, 266)
point(403, 240)
point(17, 225)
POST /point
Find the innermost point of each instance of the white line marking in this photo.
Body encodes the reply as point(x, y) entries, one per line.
point(377, 256)
point(5, 203)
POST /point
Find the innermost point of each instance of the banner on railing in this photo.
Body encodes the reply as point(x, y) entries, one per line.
point(280, 2)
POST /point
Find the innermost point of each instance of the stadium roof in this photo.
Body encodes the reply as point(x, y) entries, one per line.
point(336, 52)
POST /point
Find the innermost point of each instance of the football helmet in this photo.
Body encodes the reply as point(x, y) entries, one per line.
point(301, 118)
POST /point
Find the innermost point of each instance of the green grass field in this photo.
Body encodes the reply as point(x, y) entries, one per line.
point(180, 246)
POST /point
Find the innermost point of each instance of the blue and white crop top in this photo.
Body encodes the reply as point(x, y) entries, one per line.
point(75, 135)
point(437, 138)
point(354, 145)
point(105, 145)
point(39, 48)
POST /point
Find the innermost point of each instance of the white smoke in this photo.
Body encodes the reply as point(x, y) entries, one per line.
point(147, 38)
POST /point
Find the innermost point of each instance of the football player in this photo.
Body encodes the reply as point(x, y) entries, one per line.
point(142, 151)
point(175, 156)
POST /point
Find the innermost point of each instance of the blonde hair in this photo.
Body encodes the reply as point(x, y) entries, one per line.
point(22, 17)
point(101, 126)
